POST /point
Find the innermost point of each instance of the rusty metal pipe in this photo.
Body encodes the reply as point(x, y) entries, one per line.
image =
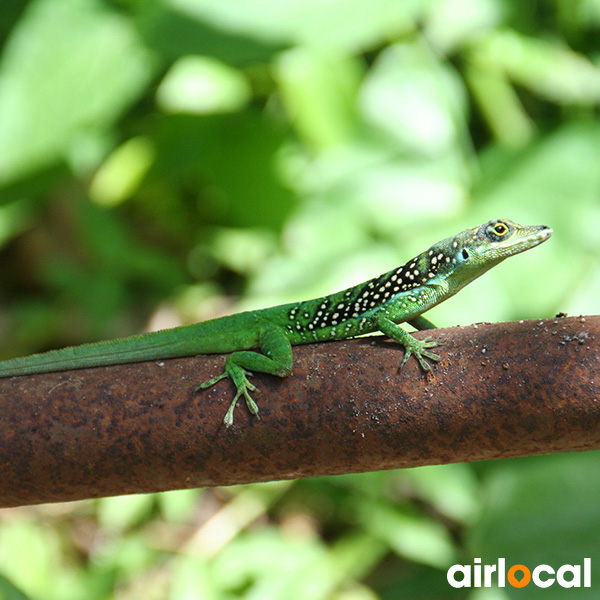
point(501, 390)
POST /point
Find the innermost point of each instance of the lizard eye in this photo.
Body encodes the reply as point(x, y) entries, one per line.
point(500, 229)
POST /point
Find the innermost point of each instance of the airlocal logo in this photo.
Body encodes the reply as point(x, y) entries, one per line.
point(543, 576)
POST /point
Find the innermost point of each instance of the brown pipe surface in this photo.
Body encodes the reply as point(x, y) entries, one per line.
point(500, 390)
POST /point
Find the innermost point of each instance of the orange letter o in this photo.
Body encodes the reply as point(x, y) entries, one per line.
point(516, 582)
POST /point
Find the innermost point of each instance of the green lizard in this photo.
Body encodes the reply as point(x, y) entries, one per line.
point(401, 295)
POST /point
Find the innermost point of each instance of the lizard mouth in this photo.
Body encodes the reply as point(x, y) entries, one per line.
point(543, 233)
point(538, 235)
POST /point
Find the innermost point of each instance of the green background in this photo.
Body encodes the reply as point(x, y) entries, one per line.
point(168, 161)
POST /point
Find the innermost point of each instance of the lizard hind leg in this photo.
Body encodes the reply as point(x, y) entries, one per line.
point(239, 376)
point(276, 359)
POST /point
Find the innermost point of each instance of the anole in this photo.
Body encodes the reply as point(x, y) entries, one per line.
point(381, 304)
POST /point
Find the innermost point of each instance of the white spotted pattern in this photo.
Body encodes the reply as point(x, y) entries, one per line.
point(347, 313)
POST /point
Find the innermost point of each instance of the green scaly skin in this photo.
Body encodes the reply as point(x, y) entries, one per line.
point(381, 304)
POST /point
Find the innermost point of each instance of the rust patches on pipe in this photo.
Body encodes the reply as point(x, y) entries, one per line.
point(501, 390)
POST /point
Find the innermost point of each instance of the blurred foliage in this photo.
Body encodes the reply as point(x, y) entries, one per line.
point(172, 160)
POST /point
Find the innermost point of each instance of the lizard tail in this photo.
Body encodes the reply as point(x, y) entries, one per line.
point(138, 348)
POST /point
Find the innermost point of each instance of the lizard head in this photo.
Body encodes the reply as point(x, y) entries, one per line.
point(461, 259)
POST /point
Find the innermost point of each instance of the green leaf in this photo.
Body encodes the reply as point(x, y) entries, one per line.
point(68, 67)
point(123, 512)
point(416, 98)
point(336, 25)
point(548, 68)
point(541, 510)
point(319, 93)
point(201, 85)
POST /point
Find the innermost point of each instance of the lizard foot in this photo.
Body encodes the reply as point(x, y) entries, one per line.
point(239, 377)
point(418, 348)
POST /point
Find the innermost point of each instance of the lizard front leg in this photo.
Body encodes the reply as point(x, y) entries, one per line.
point(411, 344)
point(276, 359)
